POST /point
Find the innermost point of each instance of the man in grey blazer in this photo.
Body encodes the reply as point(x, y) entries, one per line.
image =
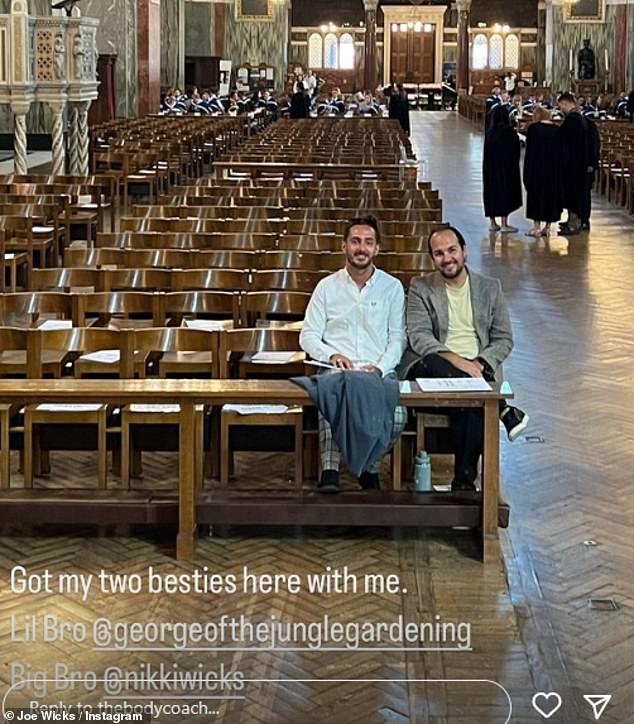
point(458, 325)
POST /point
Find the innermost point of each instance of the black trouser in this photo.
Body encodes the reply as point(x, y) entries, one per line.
point(466, 423)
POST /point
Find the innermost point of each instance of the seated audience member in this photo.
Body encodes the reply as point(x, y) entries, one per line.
point(336, 101)
point(355, 321)
point(619, 105)
point(458, 326)
point(169, 105)
point(366, 105)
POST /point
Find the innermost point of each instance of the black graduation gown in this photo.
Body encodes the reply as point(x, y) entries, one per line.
point(399, 109)
point(300, 105)
point(541, 176)
point(501, 172)
point(575, 157)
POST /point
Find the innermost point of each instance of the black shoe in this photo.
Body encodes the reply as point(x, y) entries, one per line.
point(586, 226)
point(568, 231)
point(369, 481)
point(462, 486)
point(515, 421)
point(329, 482)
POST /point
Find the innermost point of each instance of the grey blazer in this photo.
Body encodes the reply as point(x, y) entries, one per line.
point(428, 320)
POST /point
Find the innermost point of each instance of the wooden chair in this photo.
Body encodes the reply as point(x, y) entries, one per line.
point(66, 280)
point(211, 279)
point(78, 341)
point(286, 280)
point(21, 342)
point(31, 309)
point(176, 307)
point(180, 343)
point(273, 306)
point(12, 261)
point(250, 341)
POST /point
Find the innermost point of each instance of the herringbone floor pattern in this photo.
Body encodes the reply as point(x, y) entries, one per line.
point(532, 629)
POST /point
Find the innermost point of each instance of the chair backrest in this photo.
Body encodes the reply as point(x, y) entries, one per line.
point(82, 340)
point(253, 340)
point(211, 279)
point(66, 279)
point(121, 304)
point(25, 308)
point(176, 339)
point(273, 305)
point(296, 280)
point(199, 304)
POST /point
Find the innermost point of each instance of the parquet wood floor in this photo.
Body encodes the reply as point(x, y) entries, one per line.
point(532, 630)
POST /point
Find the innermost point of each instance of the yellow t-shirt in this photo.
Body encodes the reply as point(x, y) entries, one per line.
point(461, 336)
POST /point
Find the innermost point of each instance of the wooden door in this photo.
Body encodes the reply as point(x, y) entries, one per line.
point(412, 55)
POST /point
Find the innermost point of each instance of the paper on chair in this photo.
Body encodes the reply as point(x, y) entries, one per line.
point(70, 407)
point(138, 407)
point(256, 409)
point(9, 256)
point(405, 386)
point(276, 357)
point(43, 229)
point(50, 324)
point(453, 384)
point(105, 356)
point(209, 325)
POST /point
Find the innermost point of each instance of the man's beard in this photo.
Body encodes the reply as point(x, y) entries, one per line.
point(452, 275)
point(356, 263)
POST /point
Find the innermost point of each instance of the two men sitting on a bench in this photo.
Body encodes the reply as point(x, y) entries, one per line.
point(457, 326)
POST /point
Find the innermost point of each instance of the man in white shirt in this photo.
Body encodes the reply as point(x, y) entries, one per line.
point(310, 83)
point(356, 320)
point(458, 325)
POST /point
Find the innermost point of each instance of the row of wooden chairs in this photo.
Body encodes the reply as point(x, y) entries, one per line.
point(126, 309)
point(616, 164)
point(124, 354)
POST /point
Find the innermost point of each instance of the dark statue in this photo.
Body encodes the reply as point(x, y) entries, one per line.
point(585, 60)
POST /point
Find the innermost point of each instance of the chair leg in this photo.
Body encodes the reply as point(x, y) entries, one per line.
point(125, 450)
point(397, 455)
point(224, 452)
point(199, 470)
point(28, 450)
point(5, 451)
point(102, 451)
point(299, 453)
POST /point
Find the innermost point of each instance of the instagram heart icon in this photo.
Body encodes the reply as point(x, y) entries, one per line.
point(547, 704)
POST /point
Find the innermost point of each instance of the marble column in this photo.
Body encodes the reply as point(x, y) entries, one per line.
point(620, 48)
point(58, 167)
point(148, 57)
point(462, 64)
point(549, 44)
point(82, 140)
point(19, 138)
point(369, 67)
point(73, 148)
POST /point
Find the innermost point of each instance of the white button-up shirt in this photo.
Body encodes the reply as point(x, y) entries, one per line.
point(366, 325)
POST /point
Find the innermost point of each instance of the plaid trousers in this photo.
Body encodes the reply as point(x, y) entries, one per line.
point(329, 452)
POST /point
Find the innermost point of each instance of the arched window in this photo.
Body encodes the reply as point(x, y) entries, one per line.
point(331, 47)
point(315, 51)
point(480, 51)
point(512, 51)
point(496, 51)
point(346, 52)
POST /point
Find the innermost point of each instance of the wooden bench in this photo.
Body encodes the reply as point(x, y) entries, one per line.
point(206, 507)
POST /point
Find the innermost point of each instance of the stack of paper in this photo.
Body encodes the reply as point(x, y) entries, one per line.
point(104, 356)
point(453, 384)
point(276, 357)
point(209, 325)
point(256, 409)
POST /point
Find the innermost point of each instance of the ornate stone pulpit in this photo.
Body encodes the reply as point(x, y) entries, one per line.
point(51, 59)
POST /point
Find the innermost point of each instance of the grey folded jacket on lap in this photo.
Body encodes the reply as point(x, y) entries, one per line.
point(360, 409)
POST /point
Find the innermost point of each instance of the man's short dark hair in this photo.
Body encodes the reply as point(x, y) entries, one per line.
point(363, 221)
point(567, 98)
point(442, 230)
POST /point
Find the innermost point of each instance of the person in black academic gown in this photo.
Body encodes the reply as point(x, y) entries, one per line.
point(399, 107)
point(501, 171)
point(541, 178)
point(630, 106)
point(300, 103)
point(576, 159)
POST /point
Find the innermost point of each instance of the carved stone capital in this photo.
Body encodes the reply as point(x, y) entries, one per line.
point(370, 5)
point(464, 6)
